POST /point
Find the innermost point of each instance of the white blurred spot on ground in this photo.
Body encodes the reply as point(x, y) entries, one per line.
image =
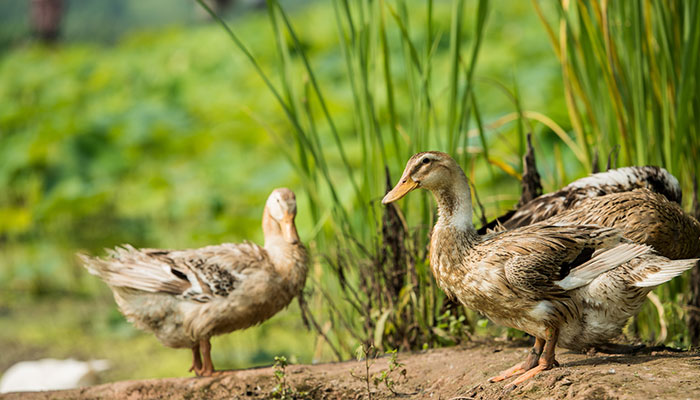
point(51, 374)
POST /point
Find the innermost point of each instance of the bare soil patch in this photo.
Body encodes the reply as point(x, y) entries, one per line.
point(457, 373)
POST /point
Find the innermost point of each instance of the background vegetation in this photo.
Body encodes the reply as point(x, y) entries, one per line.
point(169, 138)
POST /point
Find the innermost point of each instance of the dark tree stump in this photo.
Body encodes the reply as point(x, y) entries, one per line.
point(531, 185)
point(694, 302)
point(393, 255)
point(596, 167)
point(45, 16)
point(612, 157)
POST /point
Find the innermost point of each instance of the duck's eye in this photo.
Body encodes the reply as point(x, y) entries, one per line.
point(426, 160)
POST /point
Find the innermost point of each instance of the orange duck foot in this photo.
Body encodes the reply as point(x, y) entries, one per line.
point(531, 362)
point(536, 364)
point(516, 369)
point(543, 365)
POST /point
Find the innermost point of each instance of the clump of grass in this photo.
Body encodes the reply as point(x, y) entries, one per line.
point(378, 264)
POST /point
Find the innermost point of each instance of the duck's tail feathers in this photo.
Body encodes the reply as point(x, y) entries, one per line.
point(602, 261)
point(666, 272)
point(128, 268)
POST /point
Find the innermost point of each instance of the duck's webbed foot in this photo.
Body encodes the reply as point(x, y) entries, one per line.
point(516, 369)
point(546, 362)
point(530, 362)
point(542, 365)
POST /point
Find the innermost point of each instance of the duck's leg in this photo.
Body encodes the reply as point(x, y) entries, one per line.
point(196, 360)
point(207, 365)
point(546, 362)
point(529, 363)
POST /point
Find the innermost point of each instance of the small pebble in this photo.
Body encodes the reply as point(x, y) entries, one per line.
point(611, 371)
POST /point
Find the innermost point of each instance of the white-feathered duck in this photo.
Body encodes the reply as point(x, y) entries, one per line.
point(185, 297)
point(569, 285)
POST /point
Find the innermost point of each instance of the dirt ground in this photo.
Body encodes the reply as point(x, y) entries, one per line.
point(457, 373)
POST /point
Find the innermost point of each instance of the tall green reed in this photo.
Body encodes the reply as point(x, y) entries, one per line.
point(631, 78)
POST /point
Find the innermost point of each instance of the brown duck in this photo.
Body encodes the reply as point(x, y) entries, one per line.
point(569, 285)
point(643, 217)
point(185, 297)
point(618, 180)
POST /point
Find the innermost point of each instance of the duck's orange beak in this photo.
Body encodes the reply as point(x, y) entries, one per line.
point(289, 230)
point(405, 185)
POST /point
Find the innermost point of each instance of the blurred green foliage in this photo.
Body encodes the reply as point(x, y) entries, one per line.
point(101, 21)
point(161, 140)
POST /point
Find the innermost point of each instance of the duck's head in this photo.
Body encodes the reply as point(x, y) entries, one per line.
point(279, 214)
point(430, 170)
point(439, 173)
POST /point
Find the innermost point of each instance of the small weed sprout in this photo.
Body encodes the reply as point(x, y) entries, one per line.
point(367, 352)
point(387, 376)
point(282, 390)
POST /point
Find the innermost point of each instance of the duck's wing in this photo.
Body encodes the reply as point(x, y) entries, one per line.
point(196, 274)
point(220, 269)
point(618, 180)
point(547, 260)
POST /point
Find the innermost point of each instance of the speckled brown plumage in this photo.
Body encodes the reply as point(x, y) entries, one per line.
point(643, 217)
point(185, 297)
point(618, 180)
point(566, 284)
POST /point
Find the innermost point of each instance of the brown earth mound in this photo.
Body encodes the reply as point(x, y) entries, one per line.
point(448, 374)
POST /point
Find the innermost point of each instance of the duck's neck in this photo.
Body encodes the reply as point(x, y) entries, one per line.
point(453, 235)
point(289, 260)
point(454, 203)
